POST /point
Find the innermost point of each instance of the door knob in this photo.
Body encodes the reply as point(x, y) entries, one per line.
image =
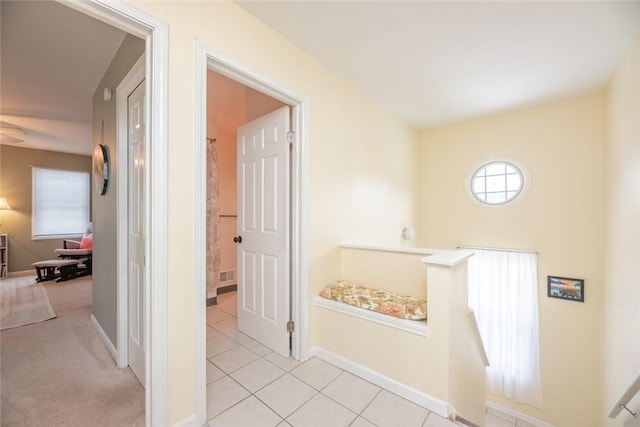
point(237, 239)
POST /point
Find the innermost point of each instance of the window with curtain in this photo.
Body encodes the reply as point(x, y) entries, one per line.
point(503, 292)
point(60, 206)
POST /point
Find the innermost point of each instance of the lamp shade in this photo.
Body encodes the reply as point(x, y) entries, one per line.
point(4, 206)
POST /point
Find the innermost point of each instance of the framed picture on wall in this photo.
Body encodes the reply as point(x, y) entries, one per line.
point(565, 288)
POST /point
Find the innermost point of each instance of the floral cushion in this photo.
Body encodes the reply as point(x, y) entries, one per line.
point(383, 302)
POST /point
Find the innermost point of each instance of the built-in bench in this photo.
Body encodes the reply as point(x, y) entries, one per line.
point(436, 363)
point(377, 305)
point(378, 300)
point(418, 327)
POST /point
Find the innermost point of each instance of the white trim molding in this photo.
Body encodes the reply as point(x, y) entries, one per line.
point(190, 421)
point(518, 415)
point(416, 396)
point(103, 337)
point(209, 58)
point(418, 327)
point(626, 397)
point(379, 248)
point(124, 89)
point(436, 257)
point(200, 241)
point(522, 193)
point(155, 32)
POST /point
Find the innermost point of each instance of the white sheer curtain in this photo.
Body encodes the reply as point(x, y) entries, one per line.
point(503, 293)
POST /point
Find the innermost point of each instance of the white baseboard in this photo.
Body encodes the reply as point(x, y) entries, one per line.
point(518, 415)
point(416, 396)
point(190, 421)
point(105, 339)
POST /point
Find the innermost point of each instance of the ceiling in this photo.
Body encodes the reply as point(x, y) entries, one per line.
point(431, 63)
point(52, 61)
point(428, 63)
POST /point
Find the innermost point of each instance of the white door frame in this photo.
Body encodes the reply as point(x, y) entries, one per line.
point(124, 89)
point(207, 58)
point(155, 32)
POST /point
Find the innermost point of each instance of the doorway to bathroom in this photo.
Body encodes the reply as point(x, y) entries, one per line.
point(248, 213)
point(281, 116)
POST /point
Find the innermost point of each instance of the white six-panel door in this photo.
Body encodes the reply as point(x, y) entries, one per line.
point(136, 148)
point(263, 226)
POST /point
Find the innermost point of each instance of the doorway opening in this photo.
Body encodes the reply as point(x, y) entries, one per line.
point(248, 191)
point(229, 105)
point(260, 97)
point(154, 321)
point(153, 34)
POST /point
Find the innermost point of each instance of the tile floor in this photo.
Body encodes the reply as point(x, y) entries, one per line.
point(248, 385)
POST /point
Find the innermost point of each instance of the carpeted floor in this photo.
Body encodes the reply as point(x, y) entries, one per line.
point(59, 373)
point(23, 301)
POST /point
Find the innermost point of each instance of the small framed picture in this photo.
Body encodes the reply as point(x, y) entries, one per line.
point(565, 288)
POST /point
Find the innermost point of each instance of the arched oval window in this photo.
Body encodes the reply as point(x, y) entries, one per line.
point(497, 183)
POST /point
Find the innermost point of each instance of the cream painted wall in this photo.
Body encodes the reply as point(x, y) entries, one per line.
point(15, 185)
point(104, 207)
point(392, 271)
point(561, 217)
point(353, 145)
point(621, 302)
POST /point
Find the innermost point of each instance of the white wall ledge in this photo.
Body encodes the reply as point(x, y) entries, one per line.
point(448, 258)
point(417, 251)
point(435, 257)
point(418, 327)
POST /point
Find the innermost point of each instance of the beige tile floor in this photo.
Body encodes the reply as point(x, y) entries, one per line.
point(248, 385)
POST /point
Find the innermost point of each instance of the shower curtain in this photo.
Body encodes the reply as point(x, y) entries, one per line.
point(213, 221)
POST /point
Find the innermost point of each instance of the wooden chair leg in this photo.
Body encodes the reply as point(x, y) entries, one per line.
point(68, 272)
point(49, 274)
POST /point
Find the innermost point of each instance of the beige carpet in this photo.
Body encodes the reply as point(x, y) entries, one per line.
point(23, 301)
point(59, 373)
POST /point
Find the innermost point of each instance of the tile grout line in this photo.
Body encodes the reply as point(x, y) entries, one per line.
point(369, 404)
point(358, 414)
point(316, 391)
point(292, 412)
point(266, 385)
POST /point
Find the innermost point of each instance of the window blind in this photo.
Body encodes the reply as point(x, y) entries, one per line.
point(60, 203)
